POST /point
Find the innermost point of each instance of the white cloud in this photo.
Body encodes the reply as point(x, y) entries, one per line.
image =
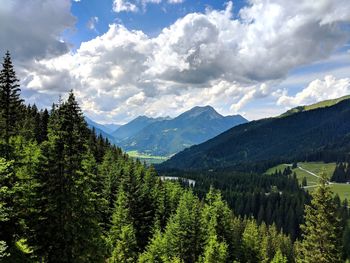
point(137, 5)
point(317, 90)
point(175, 1)
point(92, 23)
point(124, 6)
point(211, 58)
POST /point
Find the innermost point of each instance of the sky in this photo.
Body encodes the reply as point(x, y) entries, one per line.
point(125, 58)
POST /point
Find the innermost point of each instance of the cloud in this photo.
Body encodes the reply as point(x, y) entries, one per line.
point(33, 30)
point(91, 24)
point(203, 58)
point(124, 6)
point(317, 90)
point(175, 1)
point(137, 5)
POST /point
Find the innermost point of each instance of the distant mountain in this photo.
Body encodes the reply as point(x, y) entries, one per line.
point(107, 128)
point(111, 127)
point(99, 129)
point(321, 133)
point(133, 127)
point(168, 137)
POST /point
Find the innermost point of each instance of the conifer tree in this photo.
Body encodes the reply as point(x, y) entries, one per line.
point(122, 237)
point(155, 251)
point(8, 222)
point(182, 233)
point(251, 242)
point(9, 102)
point(216, 225)
point(279, 258)
point(68, 227)
point(346, 242)
point(214, 251)
point(322, 229)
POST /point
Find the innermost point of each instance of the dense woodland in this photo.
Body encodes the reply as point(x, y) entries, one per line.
point(258, 196)
point(67, 195)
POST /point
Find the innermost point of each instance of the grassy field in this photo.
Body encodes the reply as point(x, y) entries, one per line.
point(149, 159)
point(343, 190)
point(325, 103)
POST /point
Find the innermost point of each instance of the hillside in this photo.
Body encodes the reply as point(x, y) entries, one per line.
point(168, 137)
point(321, 104)
point(321, 133)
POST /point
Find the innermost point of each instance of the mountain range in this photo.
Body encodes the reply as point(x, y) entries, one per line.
point(320, 132)
point(165, 136)
point(102, 129)
point(135, 126)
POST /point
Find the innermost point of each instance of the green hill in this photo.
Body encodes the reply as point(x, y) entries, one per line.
point(321, 104)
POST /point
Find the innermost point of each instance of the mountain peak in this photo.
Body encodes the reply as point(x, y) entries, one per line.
point(203, 108)
point(199, 110)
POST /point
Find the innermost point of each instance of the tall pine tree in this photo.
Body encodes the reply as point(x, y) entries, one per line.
point(322, 229)
point(9, 102)
point(68, 227)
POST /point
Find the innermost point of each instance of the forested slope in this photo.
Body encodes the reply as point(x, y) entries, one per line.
point(318, 134)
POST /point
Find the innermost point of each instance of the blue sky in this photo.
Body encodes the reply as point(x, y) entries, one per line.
point(125, 58)
point(151, 19)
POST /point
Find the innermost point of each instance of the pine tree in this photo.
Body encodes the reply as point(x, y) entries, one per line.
point(215, 251)
point(279, 258)
point(42, 129)
point(8, 222)
point(155, 251)
point(138, 185)
point(346, 242)
point(68, 227)
point(322, 229)
point(216, 224)
point(251, 242)
point(9, 102)
point(182, 233)
point(122, 237)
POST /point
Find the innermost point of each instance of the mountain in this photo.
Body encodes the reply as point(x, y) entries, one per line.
point(107, 128)
point(110, 127)
point(100, 129)
point(322, 133)
point(168, 137)
point(133, 127)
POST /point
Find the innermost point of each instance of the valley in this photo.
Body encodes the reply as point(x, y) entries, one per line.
point(148, 159)
point(312, 171)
